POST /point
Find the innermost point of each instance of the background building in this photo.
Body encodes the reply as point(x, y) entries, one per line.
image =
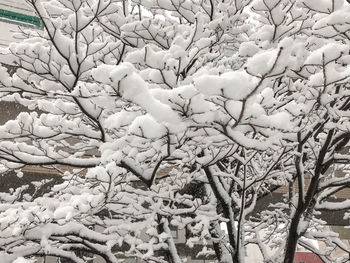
point(14, 13)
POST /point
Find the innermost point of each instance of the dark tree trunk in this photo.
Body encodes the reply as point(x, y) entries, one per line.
point(226, 209)
point(292, 240)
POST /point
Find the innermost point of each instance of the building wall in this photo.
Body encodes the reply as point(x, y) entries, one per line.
point(8, 26)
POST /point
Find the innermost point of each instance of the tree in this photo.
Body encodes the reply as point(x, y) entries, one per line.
point(230, 102)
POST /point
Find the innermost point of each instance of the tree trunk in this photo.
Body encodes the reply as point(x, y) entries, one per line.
point(220, 248)
point(228, 213)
